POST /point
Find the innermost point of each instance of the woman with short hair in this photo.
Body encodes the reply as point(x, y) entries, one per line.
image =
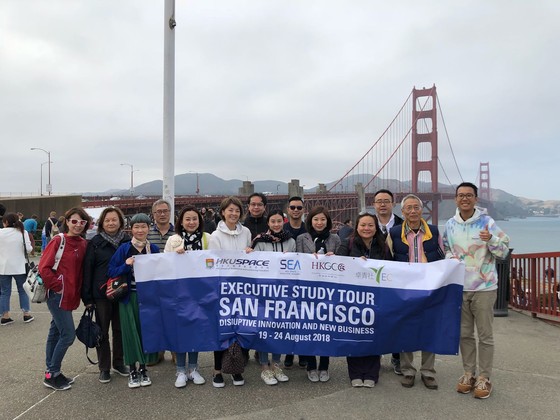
point(100, 250)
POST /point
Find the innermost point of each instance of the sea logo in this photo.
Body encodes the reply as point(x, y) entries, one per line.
point(209, 262)
point(290, 265)
point(378, 273)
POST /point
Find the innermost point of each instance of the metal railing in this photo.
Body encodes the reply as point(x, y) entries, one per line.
point(534, 284)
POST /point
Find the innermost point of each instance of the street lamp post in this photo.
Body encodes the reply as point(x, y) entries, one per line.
point(41, 185)
point(131, 176)
point(49, 185)
point(197, 184)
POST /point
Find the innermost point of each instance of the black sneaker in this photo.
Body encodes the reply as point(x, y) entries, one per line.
point(122, 370)
point(58, 383)
point(144, 378)
point(134, 379)
point(238, 379)
point(28, 318)
point(289, 361)
point(218, 381)
point(105, 377)
point(396, 366)
point(67, 379)
point(302, 363)
point(6, 321)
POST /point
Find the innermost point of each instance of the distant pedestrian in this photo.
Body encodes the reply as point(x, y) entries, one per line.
point(474, 238)
point(346, 230)
point(52, 227)
point(30, 225)
point(13, 241)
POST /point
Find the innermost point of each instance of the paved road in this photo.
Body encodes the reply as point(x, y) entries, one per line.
point(526, 380)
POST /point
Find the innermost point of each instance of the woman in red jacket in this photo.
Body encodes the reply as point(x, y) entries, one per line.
point(63, 285)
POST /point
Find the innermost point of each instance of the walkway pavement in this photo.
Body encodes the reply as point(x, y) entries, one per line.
point(526, 380)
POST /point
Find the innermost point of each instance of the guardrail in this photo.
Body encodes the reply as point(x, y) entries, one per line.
point(534, 284)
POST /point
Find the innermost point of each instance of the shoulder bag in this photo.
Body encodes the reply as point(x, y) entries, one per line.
point(89, 332)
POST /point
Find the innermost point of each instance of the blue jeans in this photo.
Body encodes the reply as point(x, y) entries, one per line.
point(263, 358)
point(61, 334)
point(6, 284)
point(181, 359)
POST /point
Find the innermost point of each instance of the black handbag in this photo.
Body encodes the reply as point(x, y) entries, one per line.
point(89, 332)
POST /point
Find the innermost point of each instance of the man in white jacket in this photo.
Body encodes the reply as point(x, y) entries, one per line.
point(473, 237)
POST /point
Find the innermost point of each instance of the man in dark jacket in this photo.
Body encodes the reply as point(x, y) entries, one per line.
point(256, 219)
point(415, 241)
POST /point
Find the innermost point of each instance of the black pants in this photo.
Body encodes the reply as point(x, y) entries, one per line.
point(107, 314)
point(312, 362)
point(364, 367)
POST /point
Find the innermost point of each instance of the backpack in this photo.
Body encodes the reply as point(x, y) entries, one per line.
point(54, 229)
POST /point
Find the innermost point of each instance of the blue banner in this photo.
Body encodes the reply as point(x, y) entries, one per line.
point(297, 303)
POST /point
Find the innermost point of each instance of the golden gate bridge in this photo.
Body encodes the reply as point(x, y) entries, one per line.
point(404, 159)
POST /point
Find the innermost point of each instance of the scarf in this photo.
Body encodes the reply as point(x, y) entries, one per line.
point(319, 239)
point(139, 245)
point(270, 236)
point(192, 241)
point(114, 240)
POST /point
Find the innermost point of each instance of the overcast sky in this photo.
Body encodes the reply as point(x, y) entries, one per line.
point(273, 89)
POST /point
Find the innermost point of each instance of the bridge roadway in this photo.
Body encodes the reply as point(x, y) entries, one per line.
point(342, 206)
point(526, 378)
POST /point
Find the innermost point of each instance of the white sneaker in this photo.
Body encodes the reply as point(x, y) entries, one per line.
point(196, 377)
point(313, 375)
point(181, 381)
point(324, 376)
point(268, 377)
point(279, 374)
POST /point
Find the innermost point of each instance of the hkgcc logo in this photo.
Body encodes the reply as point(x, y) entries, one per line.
point(327, 266)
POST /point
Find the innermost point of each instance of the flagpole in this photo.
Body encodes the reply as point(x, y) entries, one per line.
point(169, 106)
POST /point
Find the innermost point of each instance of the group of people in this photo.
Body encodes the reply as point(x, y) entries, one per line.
point(85, 267)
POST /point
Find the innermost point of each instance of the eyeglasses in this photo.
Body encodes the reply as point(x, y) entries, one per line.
point(382, 201)
point(410, 208)
point(256, 204)
point(296, 207)
point(461, 196)
point(77, 222)
point(162, 211)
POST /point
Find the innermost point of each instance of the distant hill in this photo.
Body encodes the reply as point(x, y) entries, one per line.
point(505, 204)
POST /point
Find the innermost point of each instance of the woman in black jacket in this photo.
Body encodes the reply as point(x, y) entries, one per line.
point(99, 252)
point(365, 242)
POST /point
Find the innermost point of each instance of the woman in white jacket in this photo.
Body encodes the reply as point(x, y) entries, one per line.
point(190, 236)
point(229, 235)
point(13, 244)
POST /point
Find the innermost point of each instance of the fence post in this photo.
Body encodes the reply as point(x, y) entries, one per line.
point(502, 267)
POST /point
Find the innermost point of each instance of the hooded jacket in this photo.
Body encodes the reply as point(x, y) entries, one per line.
point(461, 241)
point(232, 240)
point(67, 279)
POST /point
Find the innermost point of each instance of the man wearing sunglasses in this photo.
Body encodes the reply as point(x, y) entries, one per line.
point(296, 227)
point(295, 224)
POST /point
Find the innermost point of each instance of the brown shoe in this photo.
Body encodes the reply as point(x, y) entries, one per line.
point(408, 381)
point(482, 388)
point(466, 383)
point(430, 382)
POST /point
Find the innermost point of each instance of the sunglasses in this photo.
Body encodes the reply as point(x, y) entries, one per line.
point(296, 207)
point(77, 222)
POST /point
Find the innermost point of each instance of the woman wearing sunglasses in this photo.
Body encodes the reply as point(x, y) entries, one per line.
point(63, 292)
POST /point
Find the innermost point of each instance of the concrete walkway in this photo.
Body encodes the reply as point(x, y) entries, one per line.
point(526, 384)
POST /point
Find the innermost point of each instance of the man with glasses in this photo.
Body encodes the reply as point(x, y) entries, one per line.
point(383, 202)
point(416, 241)
point(256, 219)
point(295, 224)
point(474, 238)
point(160, 231)
point(296, 227)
